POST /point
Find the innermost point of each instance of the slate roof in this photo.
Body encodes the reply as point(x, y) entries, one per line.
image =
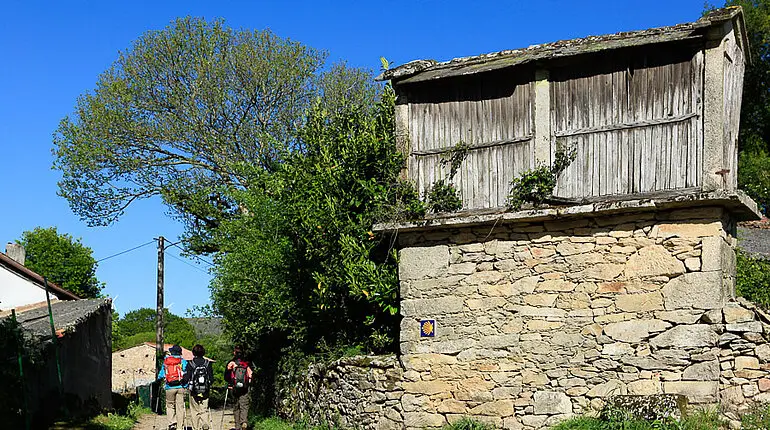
point(424, 70)
point(66, 316)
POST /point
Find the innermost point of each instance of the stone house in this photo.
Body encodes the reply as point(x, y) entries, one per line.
point(135, 366)
point(21, 287)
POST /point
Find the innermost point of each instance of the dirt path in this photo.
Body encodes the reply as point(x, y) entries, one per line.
point(158, 422)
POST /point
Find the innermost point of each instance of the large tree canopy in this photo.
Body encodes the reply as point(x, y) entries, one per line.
point(62, 259)
point(183, 112)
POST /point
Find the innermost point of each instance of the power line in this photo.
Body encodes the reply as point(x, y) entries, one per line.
point(128, 250)
point(193, 256)
point(187, 263)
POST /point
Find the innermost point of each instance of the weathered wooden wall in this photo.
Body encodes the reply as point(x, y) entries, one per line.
point(493, 115)
point(634, 116)
point(634, 120)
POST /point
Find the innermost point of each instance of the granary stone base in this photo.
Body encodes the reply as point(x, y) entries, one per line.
point(538, 321)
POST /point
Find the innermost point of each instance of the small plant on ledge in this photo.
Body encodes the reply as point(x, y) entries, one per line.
point(535, 186)
point(442, 196)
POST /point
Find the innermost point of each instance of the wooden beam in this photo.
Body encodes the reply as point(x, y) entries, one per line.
point(445, 149)
point(626, 126)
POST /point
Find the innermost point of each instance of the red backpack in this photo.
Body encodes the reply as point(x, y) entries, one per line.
point(173, 369)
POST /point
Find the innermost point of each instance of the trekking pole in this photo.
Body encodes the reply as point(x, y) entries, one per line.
point(224, 408)
point(157, 407)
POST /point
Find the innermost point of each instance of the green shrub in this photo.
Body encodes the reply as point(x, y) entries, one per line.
point(752, 279)
point(443, 197)
point(535, 186)
point(468, 424)
point(700, 419)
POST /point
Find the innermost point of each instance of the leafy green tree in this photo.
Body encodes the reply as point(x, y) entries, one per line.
point(185, 113)
point(138, 326)
point(301, 264)
point(63, 260)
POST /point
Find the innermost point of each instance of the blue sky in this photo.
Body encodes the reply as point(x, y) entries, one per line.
point(54, 51)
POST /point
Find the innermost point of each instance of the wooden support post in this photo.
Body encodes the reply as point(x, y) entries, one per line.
point(402, 129)
point(542, 119)
point(159, 308)
point(713, 110)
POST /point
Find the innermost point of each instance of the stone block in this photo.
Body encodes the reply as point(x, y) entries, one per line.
point(686, 336)
point(551, 403)
point(699, 290)
point(423, 262)
point(462, 268)
point(644, 387)
point(566, 340)
point(431, 307)
point(692, 264)
point(746, 327)
point(634, 331)
point(680, 316)
point(526, 285)
point(640, 302)
point(570, 248)
point(498, 408)
point(613, 387)
point(763, 352)
point(599, 272)
point(696, 391)
point(745, 362)
point(544, 299)
point(735, 313)
point(423, 420)
point(427, 387)
point(558, 285)
point(424, 362)
point(541, 325)
point(617, 348)
point(451, 406)
point(705, 371)
point(531, 311)
point(716, 254)
point(687, 229)
point(653, 260)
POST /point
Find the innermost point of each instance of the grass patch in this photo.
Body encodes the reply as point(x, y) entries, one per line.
point(108, 421)
point(468, 424)
point(275, 423)
point(697, 420)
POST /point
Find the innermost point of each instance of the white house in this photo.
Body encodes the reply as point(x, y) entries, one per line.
point(20, 286)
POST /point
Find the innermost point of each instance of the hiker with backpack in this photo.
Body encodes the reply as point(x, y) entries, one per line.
point(173, 371)
point(200, 375)
point(238, 375)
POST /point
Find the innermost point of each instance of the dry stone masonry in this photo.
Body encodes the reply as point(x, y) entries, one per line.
point(354, 392)
point(538, 321)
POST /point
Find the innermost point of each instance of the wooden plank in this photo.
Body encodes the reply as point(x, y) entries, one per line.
point(475, 146)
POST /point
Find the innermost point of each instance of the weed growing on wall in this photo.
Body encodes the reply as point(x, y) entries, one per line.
point(442, 196)
point(535, 186)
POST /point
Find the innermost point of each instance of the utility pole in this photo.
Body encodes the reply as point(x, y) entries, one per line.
point(159, 310)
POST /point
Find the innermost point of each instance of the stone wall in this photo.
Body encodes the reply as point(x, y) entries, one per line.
point(356, 392)
point(535, 322)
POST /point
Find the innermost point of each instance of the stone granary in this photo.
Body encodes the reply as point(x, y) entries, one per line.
point(624, 282)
